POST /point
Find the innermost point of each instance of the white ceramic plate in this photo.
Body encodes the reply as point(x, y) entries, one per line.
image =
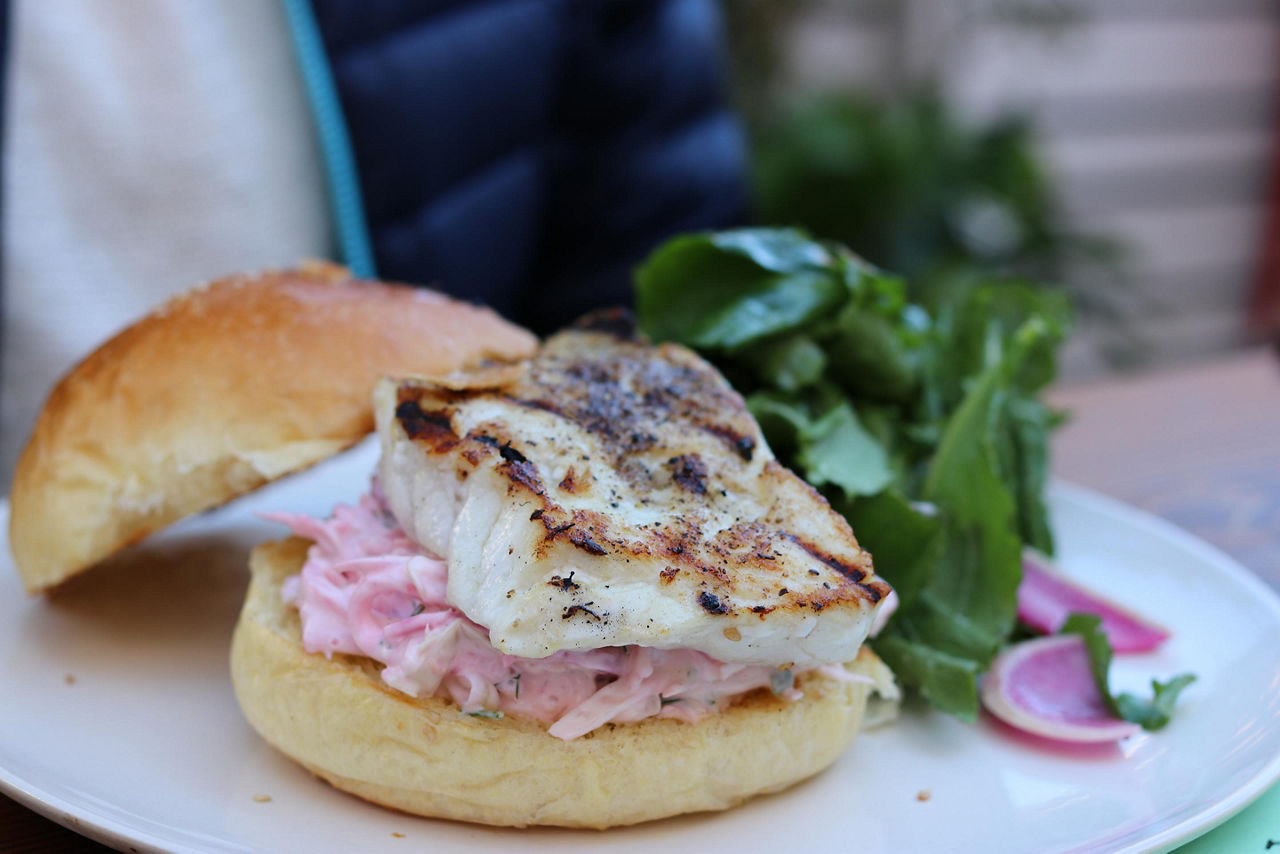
point(117, 718)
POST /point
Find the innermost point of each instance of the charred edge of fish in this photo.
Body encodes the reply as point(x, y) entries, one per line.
point(669, 574)
point(689, 472)
point(618, 322)
point(566, 583)
point(875, 589)
point(537, 514)
point(850, 572)
point(417, 423)
point(711, 603)
point(580, 609)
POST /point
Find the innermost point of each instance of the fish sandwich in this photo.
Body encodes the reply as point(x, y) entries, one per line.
point(580, 591)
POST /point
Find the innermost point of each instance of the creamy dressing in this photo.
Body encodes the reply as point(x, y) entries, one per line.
point(367, 589)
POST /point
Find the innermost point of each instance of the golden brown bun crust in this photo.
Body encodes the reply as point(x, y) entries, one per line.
point(218, 392)
point(337, 718)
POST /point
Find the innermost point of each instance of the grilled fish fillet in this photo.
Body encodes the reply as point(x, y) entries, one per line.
point(609, 492)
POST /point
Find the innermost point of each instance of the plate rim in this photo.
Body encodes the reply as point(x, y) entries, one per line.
point(1215, 814)
point(84, 820)
point(80, 819)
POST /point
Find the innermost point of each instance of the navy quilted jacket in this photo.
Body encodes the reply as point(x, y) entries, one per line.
point(527, 153)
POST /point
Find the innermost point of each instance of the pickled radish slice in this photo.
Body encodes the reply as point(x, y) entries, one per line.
point(1045, 687)
point(1046, 599)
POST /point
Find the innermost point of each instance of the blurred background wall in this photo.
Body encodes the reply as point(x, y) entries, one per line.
point(1153, 122)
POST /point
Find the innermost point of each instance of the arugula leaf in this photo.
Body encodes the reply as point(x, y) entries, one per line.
point(904, 541)
point(835, 449)
point(828, 449)
point(782, 419)
point(982, 562)
point(877, 348)
point(782, 250)
point(968, 606)
point(1026, 429)
point(941, 625)
point(1089, 627)
point(974, 315)
point(871, 358)
point(1152, 714)
point(723, 291)
point(948, 682)
point(789, 363)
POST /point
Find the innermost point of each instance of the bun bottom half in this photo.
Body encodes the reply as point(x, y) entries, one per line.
point(424, 756)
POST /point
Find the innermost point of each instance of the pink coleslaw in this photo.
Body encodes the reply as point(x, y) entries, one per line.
point(367, 589)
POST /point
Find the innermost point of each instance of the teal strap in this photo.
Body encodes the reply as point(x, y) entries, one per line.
point(335, 143)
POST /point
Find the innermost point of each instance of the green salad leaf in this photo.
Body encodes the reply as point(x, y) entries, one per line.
point(906, 540)
point(948, 682)
point(837, 450)
point(751, 284)
point(920, 422)
point(1152, 714)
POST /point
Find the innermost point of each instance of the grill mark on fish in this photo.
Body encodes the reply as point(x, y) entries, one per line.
point(852, 573)
point(875, 589)
point(432, 426)
point(740, 443)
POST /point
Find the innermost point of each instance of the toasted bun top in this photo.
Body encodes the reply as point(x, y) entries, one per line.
point(218, 392)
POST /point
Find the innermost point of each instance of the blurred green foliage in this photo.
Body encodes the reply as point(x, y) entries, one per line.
point(914, 189)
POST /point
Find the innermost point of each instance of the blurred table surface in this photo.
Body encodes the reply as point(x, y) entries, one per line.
point(1198, 445)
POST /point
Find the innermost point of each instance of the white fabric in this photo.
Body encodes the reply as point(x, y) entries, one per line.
point(150, 145)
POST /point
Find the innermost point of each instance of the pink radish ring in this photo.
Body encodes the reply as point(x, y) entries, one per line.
point(1045, 687)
